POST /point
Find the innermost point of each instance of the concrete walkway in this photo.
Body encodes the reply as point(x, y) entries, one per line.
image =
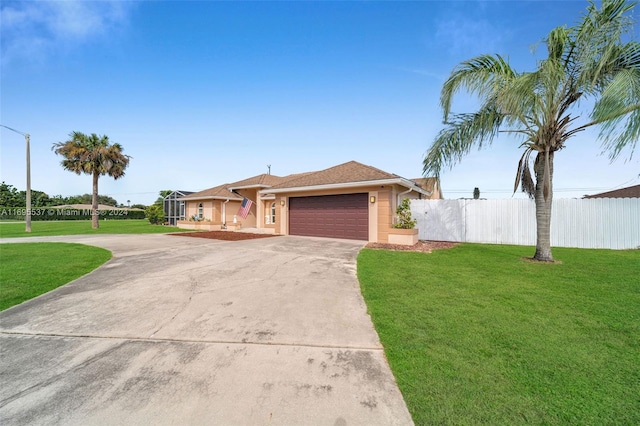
point(179, 330)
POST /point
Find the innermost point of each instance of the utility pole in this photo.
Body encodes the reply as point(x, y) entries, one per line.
point(27, 216)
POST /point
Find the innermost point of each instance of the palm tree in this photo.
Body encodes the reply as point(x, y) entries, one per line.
point(93, 155)
point(589, 61)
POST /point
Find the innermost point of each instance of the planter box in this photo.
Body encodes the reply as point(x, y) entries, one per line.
point(203, 226)
point(405, 237)
point(233, 227)
point(207, 226)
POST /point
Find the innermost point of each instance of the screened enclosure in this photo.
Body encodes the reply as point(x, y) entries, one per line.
point(174, 208)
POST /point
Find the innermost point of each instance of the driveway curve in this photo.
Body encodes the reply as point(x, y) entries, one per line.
point(180, 330)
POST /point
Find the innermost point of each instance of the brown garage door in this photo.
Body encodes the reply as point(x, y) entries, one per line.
point(335, 216)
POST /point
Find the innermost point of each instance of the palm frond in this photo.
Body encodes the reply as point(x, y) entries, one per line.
point(91, 154)
point(618, 113)
point(557, 41)
point(589, 60)
point(482, 76)
point(618, 109)
point(518, 101)
point(523, 175)
point(461, 134)
point(598, 40)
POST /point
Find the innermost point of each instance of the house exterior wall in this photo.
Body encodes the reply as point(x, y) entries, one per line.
point(230, 210)
point(380, 217)
point(381, 213)
point(250, 221)
point(385, 213)
point(436, 195)
point(213, 211)
point(282, 224)
point(266, 218)
point(207, 209)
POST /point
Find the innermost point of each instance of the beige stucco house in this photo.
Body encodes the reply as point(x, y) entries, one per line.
point(351, 200)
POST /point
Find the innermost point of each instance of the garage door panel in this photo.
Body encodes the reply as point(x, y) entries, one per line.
point(335, 216)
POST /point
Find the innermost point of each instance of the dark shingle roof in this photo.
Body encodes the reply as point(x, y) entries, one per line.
point(428, 184)
point(220, 191)
point(628, 192)
point(349, 172)
point(264, 180)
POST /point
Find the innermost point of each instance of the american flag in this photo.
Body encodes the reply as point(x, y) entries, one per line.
point(244, 208)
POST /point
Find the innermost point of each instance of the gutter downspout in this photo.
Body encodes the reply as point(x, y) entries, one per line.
point(224, 213)
point(398, 202)
point(401, 194)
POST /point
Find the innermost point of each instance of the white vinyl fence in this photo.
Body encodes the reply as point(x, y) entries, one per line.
point(585, 223)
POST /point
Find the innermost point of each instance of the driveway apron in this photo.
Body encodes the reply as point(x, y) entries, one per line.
point(181, 330)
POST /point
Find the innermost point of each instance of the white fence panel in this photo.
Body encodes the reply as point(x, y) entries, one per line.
point(596, 223)
point(587, 223)
point(439, 220)
point(500, 221)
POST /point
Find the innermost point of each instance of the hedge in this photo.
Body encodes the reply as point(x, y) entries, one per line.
point(52, 213)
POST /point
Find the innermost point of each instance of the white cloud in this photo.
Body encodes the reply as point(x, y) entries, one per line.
point(464, 37)
point(36, 29)
point(427, 73)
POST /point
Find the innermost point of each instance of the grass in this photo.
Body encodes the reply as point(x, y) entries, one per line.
point(80, 227)
point(477, 335)
point(28, 270)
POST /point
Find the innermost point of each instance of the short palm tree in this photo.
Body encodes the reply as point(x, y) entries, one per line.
point(93, 155)
point(589, 61)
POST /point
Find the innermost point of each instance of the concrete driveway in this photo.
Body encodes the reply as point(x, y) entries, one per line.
point(180, 330)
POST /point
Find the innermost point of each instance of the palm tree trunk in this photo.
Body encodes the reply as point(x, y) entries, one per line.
point(95, 223)
point(543, 207)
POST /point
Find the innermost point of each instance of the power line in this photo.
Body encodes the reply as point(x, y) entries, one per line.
point(13, 130)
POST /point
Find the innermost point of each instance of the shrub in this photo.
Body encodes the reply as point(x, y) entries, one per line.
point(60, 213)
point(476, 193)
point(403, 216)
point(155, 214)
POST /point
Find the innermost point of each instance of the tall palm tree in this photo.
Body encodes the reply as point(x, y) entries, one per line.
point(93, 155)
point(586, 61)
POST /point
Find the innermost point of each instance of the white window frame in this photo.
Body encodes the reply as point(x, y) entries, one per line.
point(273, 213)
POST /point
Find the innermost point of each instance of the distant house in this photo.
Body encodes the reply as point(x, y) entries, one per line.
point(174, 208)
point(431, 185)
point(350, 200)
point(101, 207)
point(628, 192)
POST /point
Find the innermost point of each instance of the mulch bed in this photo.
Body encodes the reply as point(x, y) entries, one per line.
point(421, 246)
point(225, 235)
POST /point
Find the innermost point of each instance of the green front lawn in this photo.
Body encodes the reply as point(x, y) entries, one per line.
point(28, 270)
point(78, 227)
point(478, 335)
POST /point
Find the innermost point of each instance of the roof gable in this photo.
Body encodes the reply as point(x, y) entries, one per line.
point(349, 172)
point(428, 184)
point(264, 180)
point(220, 191)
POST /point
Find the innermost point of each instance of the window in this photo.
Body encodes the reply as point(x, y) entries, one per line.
point(273, 212)
point(200, 211)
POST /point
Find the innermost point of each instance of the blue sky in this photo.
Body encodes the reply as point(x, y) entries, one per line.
point(201, 93)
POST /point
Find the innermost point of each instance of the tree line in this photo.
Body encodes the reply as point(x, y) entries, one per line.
point(12, 197)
